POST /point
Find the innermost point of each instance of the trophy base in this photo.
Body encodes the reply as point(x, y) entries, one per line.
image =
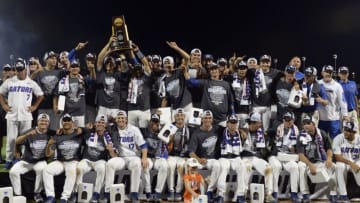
point(123, 46)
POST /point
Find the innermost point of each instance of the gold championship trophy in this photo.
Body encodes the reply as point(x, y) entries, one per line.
point(119, 30)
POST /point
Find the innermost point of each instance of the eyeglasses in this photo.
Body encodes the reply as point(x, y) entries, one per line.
point(67, 119)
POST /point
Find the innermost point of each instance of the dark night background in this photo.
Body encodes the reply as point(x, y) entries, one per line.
point(315, 29)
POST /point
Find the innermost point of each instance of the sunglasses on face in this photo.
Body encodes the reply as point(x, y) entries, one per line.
point(66, 119)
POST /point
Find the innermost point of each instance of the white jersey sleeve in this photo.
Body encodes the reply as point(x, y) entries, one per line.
point(36, 89)
point(338, 141)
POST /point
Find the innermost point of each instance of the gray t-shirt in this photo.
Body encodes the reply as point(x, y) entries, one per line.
point(157, 77)
point(48, 80)
point(204, 143)
point(94, 150)
point(35, 147)
point(75, 103)
point(177, 92)
point(310, 148)
point(156, 147)
point(264, 98)
point(108, 89)
point(143, 94)
point(181, 141)
point(218, 97)
point(68, 147)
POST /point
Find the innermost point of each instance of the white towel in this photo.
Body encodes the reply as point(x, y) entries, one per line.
point(133, 91)
point(162, 87)
point(64, 84)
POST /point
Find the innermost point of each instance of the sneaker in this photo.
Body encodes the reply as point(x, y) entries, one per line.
point(269, 198)
point(275, 196)
point(95, 198)
point(134, 197)
point(38, 198)
point(50, 199)
point(8, 165)
point(344, 199)
point(171, 196)
point(73, 197)
point(106, 197)
point(294, 197)
point(178, 197)
point(210, 196)
point(240, 199)
point(63, 201)
point(149, 197)
point(334, 199)
point(157, 197)
point(306, 198)
point(220, 199)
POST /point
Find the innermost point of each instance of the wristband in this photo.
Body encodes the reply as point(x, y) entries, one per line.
point(139, 54)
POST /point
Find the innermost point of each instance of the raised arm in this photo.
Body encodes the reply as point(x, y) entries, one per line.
point(143, 59)
point(104, 52)
point(182, 53)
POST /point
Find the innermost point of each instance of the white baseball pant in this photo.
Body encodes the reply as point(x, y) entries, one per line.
point(139, 118)
point(214, 166)
point(303, 168)
point(161, 166)
point(56, 168)
point(291, 167)
point(119, 163)
point(261, 166)
point(341, 174)
point(22, 167)
point(85, 166)
point(14, 128)
point(238, 166)
point(175, 163)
